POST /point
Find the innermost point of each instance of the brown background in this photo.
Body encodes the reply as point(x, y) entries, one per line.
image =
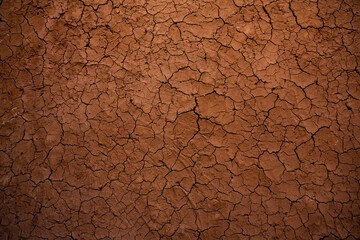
point(179, 119)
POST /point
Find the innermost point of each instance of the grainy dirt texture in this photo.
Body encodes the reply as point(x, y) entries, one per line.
point(179, 119)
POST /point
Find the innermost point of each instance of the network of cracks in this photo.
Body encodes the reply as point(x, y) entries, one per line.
point(179, 119)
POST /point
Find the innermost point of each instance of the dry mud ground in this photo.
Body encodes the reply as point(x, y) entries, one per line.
point(174, 119)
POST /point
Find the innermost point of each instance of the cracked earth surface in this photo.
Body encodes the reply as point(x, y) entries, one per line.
point(174, 119)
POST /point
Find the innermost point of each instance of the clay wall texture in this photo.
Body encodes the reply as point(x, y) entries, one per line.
point(179, 119)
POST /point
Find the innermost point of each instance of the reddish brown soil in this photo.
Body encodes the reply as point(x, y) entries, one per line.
point(179, 119)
